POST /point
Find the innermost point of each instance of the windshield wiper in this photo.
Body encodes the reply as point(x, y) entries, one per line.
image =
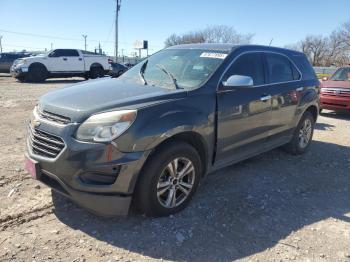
point(161, 67)
point(142, 72)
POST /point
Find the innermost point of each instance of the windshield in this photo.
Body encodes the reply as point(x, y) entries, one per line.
point(342, 74)
point(176, 68)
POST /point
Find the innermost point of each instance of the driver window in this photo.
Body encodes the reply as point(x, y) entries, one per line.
point(250, 64)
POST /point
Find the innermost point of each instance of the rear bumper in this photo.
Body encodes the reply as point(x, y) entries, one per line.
point(334, 102)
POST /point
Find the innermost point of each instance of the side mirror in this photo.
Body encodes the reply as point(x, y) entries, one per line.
point(239, 81)
point(324, 78)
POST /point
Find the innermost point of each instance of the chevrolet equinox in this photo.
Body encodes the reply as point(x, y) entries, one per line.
point(150, 136)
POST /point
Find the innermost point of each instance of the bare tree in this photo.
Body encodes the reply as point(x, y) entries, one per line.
point(326, 51)
point(211, 34)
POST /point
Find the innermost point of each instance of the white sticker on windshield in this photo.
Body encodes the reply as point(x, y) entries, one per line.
point(214, 55)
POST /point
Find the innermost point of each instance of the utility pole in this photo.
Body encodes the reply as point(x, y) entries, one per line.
point(51, 46)
point(117, 9)
point(0, 44)
point(85, 36)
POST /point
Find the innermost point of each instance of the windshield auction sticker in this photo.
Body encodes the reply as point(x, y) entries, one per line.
point(214, 55)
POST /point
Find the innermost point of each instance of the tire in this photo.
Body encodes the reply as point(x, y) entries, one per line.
point(302, 135)
point(156, 185)
point(97, 72)
point(37, 74)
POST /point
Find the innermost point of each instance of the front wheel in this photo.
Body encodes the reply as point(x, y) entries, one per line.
point(37, 73)
point(302, 135)
point(169, 180)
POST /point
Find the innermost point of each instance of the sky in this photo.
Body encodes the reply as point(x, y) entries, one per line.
point(36, 24)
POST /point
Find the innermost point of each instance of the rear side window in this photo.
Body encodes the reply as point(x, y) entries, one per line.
point(280, 69)
point(304, 65)
point(249, 65)
point(69, 52)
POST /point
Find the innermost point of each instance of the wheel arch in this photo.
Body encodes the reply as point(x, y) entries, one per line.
point(313, 110)
point(37, 64)
point(95, 65)
point(192, 138)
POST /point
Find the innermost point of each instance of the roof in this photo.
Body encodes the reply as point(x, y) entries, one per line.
point(230, 47)
point(211, 46)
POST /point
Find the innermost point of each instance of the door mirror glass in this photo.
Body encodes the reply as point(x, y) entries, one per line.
point(239, 81)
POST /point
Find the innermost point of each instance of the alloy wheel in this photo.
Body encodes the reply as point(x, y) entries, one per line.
point(176, 182)
point(305, 133)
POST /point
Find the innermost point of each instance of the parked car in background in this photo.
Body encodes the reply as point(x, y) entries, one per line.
point(7, 59)
point(118, 69)
point(61, 63)
point(129, 65)
point(153, 133)
point(322, 72)
point(335, 91)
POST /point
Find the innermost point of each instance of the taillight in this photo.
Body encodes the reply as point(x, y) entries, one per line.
point(110, 61)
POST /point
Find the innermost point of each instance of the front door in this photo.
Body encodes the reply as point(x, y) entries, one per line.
point(65, 60)
point(244, 114)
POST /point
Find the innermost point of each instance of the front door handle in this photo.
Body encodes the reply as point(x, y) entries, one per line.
point(64, 59)
point(265, 98)
point(80, 59)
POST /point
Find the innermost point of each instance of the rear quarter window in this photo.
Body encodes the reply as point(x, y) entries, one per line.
point(304, 66)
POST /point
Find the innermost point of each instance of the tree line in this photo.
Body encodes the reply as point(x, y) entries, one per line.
point(332, 50)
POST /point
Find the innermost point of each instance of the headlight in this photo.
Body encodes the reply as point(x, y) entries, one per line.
point(106, 127)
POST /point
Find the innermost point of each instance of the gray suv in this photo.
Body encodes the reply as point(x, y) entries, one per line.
point(150, 136)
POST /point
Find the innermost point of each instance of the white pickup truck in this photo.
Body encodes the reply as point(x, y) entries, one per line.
point(61, 63)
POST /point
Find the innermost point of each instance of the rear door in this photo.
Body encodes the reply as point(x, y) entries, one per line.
point(244, 114)
point(285, 87)
point(75, 61)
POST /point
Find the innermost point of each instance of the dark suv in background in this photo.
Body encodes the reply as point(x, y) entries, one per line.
point(152, 134)
point(7, 59)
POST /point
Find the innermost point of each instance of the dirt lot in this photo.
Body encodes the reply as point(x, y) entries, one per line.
point(274, 207)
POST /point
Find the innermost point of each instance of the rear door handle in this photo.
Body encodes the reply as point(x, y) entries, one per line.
point(65, 59)
point(265, 98)
point(299, 89)
point(80, 59)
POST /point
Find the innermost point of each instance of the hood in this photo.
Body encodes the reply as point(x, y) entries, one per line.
point(79, 101)
point(336, 84)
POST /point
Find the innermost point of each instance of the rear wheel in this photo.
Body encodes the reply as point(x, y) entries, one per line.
point(302, 135)
point(97, 72)
point(168, 180)
point(37, 74)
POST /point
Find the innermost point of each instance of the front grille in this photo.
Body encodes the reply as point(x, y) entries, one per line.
point(340, 92)
point(54, 117)
point(44, 144)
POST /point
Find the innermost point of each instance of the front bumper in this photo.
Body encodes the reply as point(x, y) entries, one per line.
point(334, 102)
point(18, 71)
point(96, 176)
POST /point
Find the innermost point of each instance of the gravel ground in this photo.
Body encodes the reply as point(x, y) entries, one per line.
point(273, 207)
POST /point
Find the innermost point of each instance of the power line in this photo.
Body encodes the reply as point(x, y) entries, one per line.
point(64, 38)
